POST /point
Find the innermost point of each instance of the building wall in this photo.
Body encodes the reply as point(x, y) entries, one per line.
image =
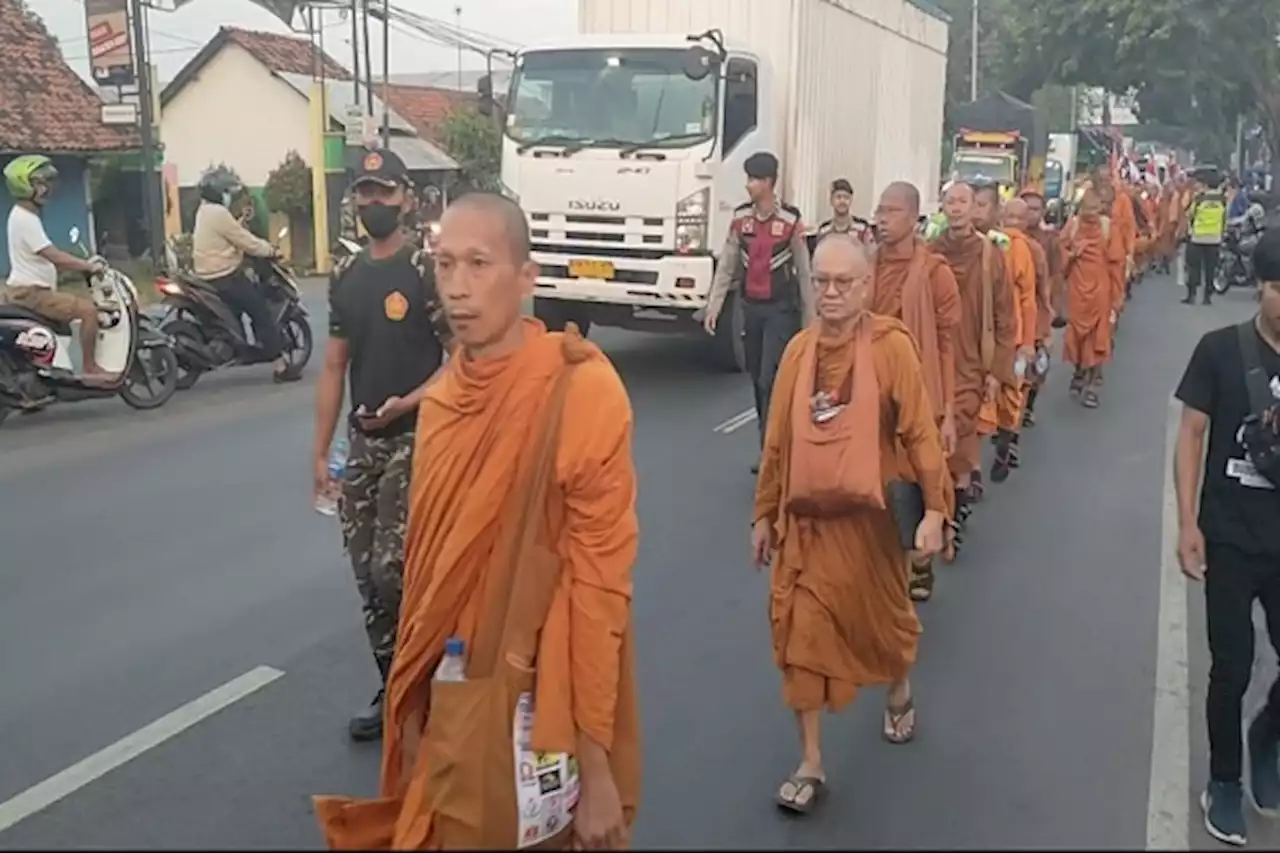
point(69, 207)
point(235, 112)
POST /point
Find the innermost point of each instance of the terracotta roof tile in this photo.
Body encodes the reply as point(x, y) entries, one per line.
point(425, 107)
point(283, 54)
point(44, 104)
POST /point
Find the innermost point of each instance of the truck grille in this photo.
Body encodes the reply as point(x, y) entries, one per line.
point(610, 236)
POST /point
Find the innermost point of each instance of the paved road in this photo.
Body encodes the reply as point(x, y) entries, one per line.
point(150, 558)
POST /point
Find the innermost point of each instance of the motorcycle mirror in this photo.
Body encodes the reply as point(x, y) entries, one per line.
point(74, 234)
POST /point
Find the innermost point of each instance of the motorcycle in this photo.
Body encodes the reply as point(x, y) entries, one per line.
point(35, 353)
point(208, 336)
point(1235, 260)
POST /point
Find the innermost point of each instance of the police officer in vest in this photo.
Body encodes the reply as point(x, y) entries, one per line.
point(1207, 220)
point(842, 220)
point(765, 261)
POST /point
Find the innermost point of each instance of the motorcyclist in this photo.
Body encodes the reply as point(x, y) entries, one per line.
point(219, 244)
point(34, 261)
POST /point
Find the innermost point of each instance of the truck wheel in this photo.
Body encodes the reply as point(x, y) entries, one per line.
point(727, 348)
point(555, 314)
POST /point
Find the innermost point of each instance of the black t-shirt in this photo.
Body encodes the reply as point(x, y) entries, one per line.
point(388, 312)
point(1237, 505)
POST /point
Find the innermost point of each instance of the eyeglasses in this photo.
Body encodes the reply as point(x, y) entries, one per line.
point(842, 283)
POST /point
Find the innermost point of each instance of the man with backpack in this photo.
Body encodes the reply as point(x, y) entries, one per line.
point(1231, 393)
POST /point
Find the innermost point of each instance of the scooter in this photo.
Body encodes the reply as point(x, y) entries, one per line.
point(36, 370)
point(1235, 262)
point(208, 336)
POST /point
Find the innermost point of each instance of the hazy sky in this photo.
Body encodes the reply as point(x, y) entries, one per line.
point(177, 36)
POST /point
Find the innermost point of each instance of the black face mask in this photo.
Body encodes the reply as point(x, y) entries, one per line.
point(380, 220)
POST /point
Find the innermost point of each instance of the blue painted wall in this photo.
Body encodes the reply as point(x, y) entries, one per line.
point(69, 207)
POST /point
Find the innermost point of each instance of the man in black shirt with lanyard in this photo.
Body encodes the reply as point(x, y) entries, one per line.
point(386, 327)
point(1231, 390)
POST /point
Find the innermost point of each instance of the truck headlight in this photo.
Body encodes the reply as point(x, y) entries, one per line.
point(691, 222)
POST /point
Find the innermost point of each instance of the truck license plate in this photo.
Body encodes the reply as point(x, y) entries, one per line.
point(589, 268)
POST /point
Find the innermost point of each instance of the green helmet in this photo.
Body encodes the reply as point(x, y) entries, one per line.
point(24, 174)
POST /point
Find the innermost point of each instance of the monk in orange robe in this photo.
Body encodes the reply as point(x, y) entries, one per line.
point(1001, 413)
point(912, 284)
point(1167, 225)
point(521, 536)
point(1086, 243)
point(841, 616)
point(1049, 291)
point(986, 339)
point(1144, 206)
point(1118, 207)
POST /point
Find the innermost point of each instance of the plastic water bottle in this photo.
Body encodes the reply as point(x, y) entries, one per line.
point(453, 666)
point(1042, 362)
point(327, 504)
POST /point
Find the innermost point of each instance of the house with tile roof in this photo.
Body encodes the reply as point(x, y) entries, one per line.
point(244, 100)
point(46, 108)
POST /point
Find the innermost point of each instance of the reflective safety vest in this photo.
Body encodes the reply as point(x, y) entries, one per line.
point(1208, 217)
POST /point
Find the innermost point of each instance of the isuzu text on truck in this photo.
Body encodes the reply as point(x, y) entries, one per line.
point(625, 145)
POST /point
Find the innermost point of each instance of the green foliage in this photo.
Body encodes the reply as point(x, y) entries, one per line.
point(474, 142)
point(1190, 63)
point(288, 188)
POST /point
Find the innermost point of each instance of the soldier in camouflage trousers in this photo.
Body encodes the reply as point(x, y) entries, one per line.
point(374, 509)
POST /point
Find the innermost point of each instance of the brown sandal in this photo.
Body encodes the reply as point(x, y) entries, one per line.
point(921, 584)
point(798, 802)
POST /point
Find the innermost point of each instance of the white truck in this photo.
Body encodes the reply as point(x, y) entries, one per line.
point(625, 144)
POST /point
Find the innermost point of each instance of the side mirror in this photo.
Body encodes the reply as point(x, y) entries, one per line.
point(699, 63)
point(74, 234)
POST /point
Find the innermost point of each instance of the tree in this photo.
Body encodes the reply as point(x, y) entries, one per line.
point(1190, 63)
point(288, 188)
point(473, 141)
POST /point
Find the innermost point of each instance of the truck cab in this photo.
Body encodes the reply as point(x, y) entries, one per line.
point(626, 153)
point(990, 157)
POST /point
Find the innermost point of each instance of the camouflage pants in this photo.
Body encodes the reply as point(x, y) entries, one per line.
point(374, 510)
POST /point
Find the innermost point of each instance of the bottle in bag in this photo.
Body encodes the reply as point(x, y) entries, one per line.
point(453, 666)
point(327, 503)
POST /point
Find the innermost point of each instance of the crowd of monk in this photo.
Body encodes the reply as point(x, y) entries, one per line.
point(521, 540)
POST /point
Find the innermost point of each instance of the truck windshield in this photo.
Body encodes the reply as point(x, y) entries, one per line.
point(618, 98)
point(1053, 177)
point(978, 168)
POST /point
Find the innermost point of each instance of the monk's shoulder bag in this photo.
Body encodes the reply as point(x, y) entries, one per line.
point(1261, 430)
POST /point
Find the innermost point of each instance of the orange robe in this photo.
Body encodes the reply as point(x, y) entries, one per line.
point(1167, 217)
point(1146, 240)
point(986, 339)
point(1124, 234)
point(929, 307)
point(474, 429)
point(1044, 297)
point(1004, 411)
point(840, 612)
point(1056, 285)
point(1087, 342)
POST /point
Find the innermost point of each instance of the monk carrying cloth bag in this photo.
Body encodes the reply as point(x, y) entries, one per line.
point(488, 789)
point(1261, 429)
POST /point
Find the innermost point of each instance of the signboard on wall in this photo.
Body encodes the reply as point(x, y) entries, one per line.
point(110, 42)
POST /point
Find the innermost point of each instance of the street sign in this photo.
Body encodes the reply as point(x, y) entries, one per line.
point(122, 114)
point(353, 124)
point(110, 41)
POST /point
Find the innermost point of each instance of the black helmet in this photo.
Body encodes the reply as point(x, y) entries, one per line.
point(220, 185)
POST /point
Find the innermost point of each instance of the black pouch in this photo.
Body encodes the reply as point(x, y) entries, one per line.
point(906, 505)
point(1261, 432)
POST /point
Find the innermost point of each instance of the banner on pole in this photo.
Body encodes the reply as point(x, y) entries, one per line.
point(110, 42)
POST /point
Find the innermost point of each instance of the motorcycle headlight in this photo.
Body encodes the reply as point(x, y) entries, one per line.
point(691, 222)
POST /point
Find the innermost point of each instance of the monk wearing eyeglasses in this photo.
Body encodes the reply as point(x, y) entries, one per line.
point(840, 611)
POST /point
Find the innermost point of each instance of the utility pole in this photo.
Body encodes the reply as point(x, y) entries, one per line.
point(457, 12)
point(153, 206)
point(386, 75)
point(973, 52)
point(368, 63)
point(355, 51)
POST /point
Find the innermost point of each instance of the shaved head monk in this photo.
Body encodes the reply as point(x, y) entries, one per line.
point(911, 284)
point(521, 536)
point(1049, 291)
point(1003, 412)
point(851, 415)
point(1086, 241)
point(986, 338)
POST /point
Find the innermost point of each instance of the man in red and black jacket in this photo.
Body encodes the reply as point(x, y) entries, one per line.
point(765, 263)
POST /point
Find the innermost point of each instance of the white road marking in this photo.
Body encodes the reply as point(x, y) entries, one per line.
point(1169, 792)
point(736, 422)
point(129, 747)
